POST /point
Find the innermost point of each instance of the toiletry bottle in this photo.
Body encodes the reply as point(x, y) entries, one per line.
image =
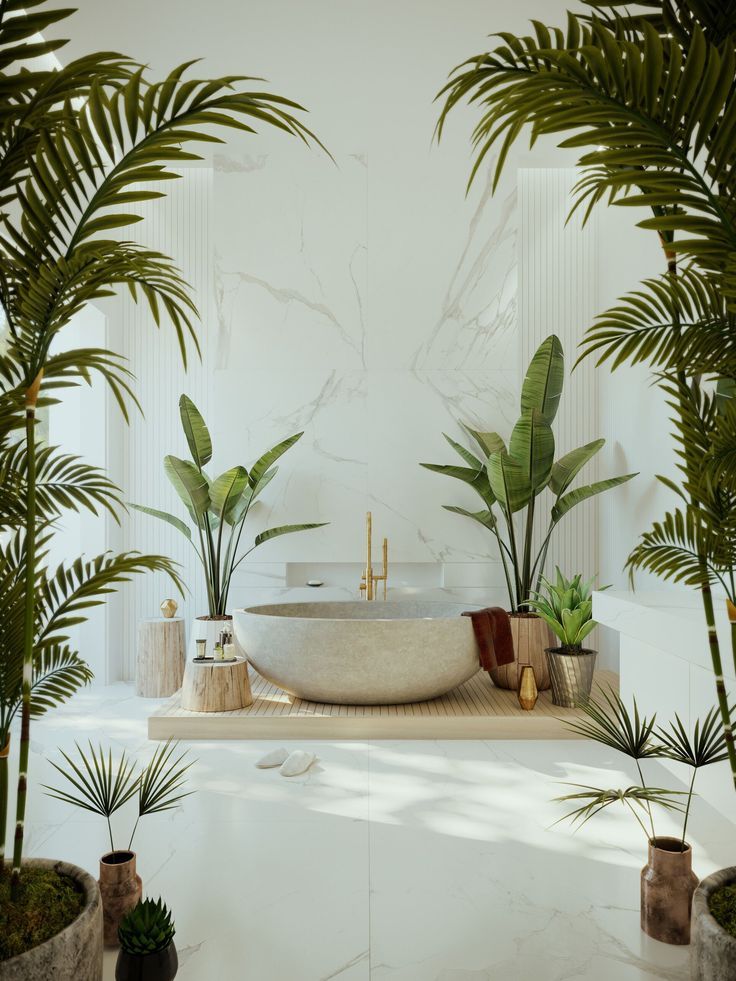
point(201, 647)
point(229, 647)
point(218, 649)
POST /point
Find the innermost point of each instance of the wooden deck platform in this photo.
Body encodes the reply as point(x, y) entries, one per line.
point(476, 710)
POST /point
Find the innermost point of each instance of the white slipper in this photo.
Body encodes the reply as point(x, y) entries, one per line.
point(296, 763)
point(275, 758)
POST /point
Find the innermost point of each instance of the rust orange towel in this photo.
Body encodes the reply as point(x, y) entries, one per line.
point(492, 629)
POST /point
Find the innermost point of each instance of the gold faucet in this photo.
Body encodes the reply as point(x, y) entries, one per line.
point(369, 578)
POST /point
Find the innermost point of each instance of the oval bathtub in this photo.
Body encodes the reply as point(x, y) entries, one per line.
point(360, 653)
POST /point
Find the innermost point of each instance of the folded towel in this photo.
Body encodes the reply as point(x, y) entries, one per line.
point(492, 629)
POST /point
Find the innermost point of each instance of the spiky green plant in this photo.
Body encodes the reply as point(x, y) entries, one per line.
point(646, 94)
point(102, 785)
point(80, 148)
point(146, 929)
point(610, 723)
point(514, 478)
point(567, 608)
point(218, 508)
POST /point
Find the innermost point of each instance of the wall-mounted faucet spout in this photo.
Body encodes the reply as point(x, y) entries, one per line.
point(369, 578)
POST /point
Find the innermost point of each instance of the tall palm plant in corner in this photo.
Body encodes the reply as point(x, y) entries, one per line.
point(103, 139)
point(649, 100)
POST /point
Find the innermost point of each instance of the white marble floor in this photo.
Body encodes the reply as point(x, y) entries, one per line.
point(408, 861)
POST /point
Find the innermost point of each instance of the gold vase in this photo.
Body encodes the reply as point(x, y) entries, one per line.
point(169, 608)
point(528, 692)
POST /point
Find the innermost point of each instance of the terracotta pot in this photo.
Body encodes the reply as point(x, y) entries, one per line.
point(74, 954)
point(121, 890)
point(712, 949)
point(667, 886)
point(161, 966)
point(531, 637)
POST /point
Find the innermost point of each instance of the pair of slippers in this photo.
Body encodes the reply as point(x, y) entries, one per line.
point(289, 764)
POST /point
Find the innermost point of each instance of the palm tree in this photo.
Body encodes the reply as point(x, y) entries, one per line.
point(76, 148)
point(649, 100)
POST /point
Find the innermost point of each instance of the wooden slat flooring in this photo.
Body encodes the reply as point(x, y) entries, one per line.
point(476, 710)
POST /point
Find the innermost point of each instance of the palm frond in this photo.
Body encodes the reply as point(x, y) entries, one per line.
point(162, 780)
point(595, 799)
point(706, 746)
point(98, 784)
point(609, 722)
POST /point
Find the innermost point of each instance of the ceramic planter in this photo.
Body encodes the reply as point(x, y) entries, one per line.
point(121, 889)
point(531, 637)
point(75, 954)
point(667, 886)
point(161, 966)
point(209, 630)
point(713, 949)
point(571, 674)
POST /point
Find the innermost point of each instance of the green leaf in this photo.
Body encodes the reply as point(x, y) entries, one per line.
point(269, 458)
point(270, 533)
point(488, 442)
point(478, 479)
point(532, 445)
point(566, 469)
point(464, 454)
point(581, 494)
point(227, 490)
point(485, 518)
point(189, 483)
point(196, 432)
point(545, 377)
point(509, 481)
point(165, 516)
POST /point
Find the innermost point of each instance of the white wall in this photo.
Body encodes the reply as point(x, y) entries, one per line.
point(368, 302)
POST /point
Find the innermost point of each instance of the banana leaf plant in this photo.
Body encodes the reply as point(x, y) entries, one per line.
point(218, 508)
point(510, 480)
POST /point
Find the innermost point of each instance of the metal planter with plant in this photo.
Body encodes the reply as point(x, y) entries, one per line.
point(568, 611)
point(147, 951)
point(218, 509)
point(513, 479)
point(103, 786)
point(667, 880)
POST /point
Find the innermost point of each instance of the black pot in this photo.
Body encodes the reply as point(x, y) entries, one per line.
point(161, 966)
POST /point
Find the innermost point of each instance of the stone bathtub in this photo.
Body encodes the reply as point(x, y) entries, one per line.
point(360, 653)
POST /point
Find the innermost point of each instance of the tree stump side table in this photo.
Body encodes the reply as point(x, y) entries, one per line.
point(159, 668)
point(216, 686)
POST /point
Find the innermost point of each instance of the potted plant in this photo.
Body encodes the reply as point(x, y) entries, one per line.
point(667, 880)
point(664, 146)
point(218, 509)
point(103, 787)
point(512, 479)
point(147, 951)
point(568, 611)
point(78, 144)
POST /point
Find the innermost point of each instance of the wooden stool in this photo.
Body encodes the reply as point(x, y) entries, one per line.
point(161, 653)
point(216, 686)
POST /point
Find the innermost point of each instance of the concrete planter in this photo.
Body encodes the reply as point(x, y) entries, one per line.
point(712, 950)
point(75, 954)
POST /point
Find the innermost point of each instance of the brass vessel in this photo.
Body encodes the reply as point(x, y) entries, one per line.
point(528, 692)
point(169, 608)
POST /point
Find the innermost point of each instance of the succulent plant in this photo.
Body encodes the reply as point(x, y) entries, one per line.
point(147, 928)
point(567, 609)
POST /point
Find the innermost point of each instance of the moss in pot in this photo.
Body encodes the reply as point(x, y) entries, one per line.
point(147, 951)
point(567, 608)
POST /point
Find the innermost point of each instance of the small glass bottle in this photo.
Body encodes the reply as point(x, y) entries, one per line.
point(219, 654)
point(201, 648)
point(229, 647)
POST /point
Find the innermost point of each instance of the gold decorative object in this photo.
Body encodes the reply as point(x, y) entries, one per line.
point(528, 692)
point(369, 578)
point(169, 608)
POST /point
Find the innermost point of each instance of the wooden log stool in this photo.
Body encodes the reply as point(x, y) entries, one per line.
point(216, 686)
point(159, 666)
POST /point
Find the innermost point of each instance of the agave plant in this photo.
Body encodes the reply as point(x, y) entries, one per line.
point(513, 478)
point(79, 148)
point(102, 785)
point(218, 508)
point(146, 929)
point(647, 94)
point(611, 724)
point(567, 608)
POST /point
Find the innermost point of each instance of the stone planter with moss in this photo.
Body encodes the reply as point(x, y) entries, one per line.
point(55, 929)
point(713, 932)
